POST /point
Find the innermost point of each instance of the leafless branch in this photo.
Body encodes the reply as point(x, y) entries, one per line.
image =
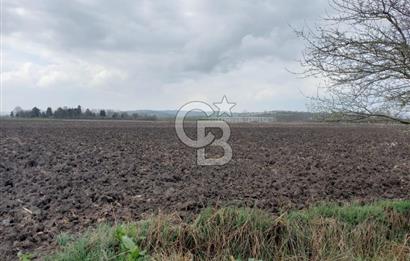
point(364, 53)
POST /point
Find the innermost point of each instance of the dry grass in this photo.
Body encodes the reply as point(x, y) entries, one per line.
point(378, 231)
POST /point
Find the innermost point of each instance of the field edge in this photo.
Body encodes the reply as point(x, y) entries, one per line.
point(353, 231)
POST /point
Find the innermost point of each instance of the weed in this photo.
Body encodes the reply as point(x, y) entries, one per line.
point(24, 257)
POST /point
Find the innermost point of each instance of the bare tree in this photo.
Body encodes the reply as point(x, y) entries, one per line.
point(363, 53)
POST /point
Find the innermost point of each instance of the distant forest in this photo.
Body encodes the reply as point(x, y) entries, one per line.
point(77, 113)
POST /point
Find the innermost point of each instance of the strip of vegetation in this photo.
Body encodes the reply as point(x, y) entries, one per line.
point(328, 231)
point(78, 113)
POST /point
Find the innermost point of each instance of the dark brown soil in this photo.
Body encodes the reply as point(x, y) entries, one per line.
point(60, 176)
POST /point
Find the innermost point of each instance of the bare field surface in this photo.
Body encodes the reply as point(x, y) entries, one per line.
point(66, 175)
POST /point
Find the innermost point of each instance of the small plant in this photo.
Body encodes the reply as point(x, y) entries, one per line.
point(64, 238)
point(132, 251)
point(24, 257)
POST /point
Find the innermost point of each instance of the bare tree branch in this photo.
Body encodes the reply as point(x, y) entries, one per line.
point(364, 53)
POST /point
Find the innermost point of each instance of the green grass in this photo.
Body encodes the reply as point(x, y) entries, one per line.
point(353, 213)
point(327, 231)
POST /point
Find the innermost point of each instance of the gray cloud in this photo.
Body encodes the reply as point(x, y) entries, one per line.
point(154, 54)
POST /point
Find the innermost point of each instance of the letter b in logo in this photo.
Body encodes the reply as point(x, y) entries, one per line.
point(204, 139)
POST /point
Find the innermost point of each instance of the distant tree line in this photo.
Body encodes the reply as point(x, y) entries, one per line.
point(76, 113)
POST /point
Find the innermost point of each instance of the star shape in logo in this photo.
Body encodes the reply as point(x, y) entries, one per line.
point(224, 107)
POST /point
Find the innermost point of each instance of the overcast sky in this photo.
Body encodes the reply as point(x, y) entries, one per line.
point(154, 54)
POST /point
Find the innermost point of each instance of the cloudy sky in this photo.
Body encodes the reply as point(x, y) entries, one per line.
point(130, 54)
